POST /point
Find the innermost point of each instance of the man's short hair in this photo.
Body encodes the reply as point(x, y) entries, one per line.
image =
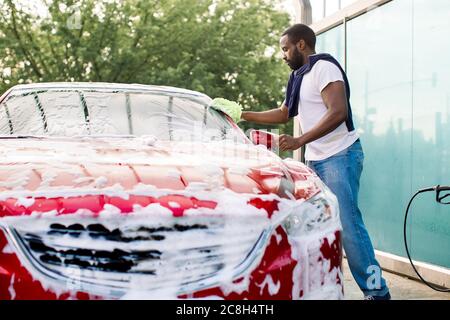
point(299, 32)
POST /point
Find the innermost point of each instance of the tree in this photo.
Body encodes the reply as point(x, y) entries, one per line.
point(223, 48)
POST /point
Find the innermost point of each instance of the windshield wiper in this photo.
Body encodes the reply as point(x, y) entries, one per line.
point(19, 137)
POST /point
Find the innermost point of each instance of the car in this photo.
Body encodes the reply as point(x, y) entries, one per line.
point(129, 191)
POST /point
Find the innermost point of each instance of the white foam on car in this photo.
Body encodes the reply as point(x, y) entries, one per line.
point(7, 249)
point(11, 290)
point(229, 205)
point(25, 202)
point(272, 288)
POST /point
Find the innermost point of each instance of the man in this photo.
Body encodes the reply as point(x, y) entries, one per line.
point(318, 91)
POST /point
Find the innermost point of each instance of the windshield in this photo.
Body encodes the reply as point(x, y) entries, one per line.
point(165, 115)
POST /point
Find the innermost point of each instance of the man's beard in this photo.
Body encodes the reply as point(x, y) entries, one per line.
point(297, 61)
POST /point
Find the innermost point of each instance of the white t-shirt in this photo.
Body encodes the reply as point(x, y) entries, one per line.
point(311, 109)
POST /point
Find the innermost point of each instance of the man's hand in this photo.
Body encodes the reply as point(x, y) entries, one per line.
point(287, 142)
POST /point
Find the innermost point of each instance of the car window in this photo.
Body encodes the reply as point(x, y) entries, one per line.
point(24, 115)
point(5, 123)
point(64, 114)
point(107, 113)
point(167, 116)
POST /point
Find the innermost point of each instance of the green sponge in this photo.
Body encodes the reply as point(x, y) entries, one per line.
point(231, 108)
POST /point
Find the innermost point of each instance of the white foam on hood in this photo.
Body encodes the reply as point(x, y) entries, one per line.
point(133, 151)
point(174, 204)
point(81, 180)
point(100, 182)
point(47, 178)
point(17, 181)
point(25, 202)
point(173, 173)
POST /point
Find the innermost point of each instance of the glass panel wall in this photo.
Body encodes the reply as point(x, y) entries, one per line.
point(430, 232)
point(332, 42)
point(379, 70)
point(400, 92)
point(325, 8)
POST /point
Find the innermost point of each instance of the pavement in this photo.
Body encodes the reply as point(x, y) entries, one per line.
point(401, 287)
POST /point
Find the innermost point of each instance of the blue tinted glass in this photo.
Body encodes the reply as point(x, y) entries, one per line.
point(332, 42)
point(379, 66)
point(399, 75)
point(430, 232)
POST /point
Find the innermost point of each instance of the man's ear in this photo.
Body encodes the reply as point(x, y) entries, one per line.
point(301, 45)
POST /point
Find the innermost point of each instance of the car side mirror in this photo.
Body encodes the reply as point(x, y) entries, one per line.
point(267, 139)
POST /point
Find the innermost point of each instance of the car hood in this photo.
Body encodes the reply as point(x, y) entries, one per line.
point(42, 163)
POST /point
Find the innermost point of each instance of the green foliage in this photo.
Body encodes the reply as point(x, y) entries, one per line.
point(218, 47)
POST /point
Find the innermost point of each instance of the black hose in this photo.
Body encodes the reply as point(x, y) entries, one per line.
point(437, 188)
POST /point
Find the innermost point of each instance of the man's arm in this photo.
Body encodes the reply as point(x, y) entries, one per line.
point(278, 115)
point(335, 100)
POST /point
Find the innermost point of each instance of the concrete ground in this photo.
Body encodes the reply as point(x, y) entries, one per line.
point(401, 288)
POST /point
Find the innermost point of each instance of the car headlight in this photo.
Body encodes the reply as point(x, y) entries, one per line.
point(316, 213)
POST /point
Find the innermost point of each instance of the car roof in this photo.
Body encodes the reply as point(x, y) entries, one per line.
point(106, 86)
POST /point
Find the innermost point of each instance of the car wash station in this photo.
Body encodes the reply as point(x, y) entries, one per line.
point(225, 149)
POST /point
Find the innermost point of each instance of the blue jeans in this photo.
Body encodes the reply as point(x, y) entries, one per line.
point(341, 173)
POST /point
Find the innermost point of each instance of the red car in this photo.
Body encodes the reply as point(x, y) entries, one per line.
point(117, 191)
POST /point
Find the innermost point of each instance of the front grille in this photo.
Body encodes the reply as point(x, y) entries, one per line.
point(101, 260)
point(186, 253)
